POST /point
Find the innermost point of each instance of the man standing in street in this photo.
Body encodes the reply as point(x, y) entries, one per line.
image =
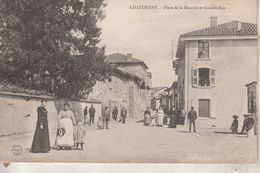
point(244, 123)
point(123, 115)
point(192, 116)
point(106, 117)
point(92, 111)
point(85, 114)
point(115, 113)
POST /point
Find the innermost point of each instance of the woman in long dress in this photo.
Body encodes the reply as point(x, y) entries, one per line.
point(147, 117)
point(153, 118)
point(65, 130)
point(41, 140)
point(160, 116)
point(172, 114)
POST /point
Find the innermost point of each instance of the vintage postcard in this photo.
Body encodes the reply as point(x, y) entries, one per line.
point(128, 81)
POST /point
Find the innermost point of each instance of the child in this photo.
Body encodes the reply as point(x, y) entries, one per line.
point(79, 135)
point(234, 125)
point(100, 123)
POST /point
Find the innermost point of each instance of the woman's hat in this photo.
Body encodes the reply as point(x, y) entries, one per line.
point(235, 116)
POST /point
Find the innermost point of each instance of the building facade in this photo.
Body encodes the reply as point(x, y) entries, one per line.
point(213, 66)
point(159, 97)
point(172, 101)
point(129, 87)
point(252, 101)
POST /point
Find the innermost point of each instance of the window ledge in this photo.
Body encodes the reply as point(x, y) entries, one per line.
point(206, 118)
point(202, 59)
point(204, 87)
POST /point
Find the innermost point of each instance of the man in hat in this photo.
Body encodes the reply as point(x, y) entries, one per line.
point(91, 111)
point(234, 125)
point(244, 123)
point(115, 113)
point(192, 116)
point(250, 124)
point(85, 115)
point(106, 117)
point(123, 115)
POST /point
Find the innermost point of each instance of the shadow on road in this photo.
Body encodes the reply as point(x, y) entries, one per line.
point(182, 131)
point(223, 132)
point(139, 121)
point(63, 149)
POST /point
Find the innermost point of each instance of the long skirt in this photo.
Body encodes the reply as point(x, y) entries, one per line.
point(41, 140)
point(66, 140)
point(172, 123)
point(251, 133)
point(100, 123)
point(147, 119)
point(159, 120)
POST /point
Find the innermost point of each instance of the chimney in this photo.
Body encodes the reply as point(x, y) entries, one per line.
point(213, 21)
point(239, 26)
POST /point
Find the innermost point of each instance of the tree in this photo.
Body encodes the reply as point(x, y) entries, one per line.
point(52, 45)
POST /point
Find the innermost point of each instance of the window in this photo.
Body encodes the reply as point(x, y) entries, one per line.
point(203, 77)
point(203, 47)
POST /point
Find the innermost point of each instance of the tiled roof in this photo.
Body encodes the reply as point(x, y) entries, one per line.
point(118, 58)
point(226, 29)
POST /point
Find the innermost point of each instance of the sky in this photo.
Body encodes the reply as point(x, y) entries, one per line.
point(150, 34)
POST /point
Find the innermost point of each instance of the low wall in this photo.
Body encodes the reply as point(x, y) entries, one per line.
point(18, 112)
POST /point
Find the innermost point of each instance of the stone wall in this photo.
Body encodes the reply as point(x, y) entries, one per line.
point(122, 92)
point(138, 70)
point(18, 112)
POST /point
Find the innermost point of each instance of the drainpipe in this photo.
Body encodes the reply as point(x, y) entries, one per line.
point(186, 75)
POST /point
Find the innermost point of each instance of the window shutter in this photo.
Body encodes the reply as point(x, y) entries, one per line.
point(212, 75)
point(194, 73)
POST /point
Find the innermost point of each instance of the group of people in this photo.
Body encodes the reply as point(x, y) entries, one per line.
point(69, 132)
point(159, 117)
point(154, 118)
point(248, 124)
point(103, 121)
point(91, 112)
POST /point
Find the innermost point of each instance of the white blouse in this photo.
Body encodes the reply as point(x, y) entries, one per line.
point(67, 114)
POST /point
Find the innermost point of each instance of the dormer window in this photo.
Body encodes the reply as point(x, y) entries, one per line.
point(203, 49)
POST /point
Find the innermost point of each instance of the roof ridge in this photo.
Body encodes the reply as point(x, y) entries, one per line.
point(122, 58)
point(223, 29)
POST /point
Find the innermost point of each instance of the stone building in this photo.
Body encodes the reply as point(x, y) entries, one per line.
point(130, 86)
point(172, 96)
point(213, 66)
point(159, 97)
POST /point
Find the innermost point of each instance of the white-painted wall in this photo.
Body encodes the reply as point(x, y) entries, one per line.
point(14, 109)
point(235, 64)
